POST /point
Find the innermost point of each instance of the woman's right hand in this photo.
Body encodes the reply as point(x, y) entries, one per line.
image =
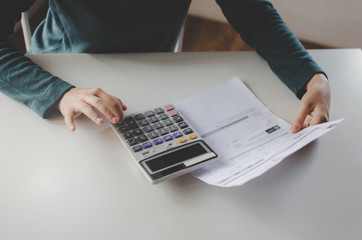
point(79, 101)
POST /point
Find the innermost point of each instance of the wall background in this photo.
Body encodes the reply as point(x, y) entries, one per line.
point(334, 23)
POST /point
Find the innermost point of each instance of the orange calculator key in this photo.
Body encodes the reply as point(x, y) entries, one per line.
point(192, 136)
point(182, 140)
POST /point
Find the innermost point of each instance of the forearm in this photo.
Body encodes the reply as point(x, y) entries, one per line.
point(20, 78)
point(261, 27)
point(24, 81)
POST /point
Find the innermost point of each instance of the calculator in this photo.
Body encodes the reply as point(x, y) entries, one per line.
point(163, 143)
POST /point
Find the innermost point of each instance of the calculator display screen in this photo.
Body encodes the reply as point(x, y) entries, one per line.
point(176, 156)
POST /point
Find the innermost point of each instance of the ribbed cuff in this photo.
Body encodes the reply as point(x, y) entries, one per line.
point(45, 105)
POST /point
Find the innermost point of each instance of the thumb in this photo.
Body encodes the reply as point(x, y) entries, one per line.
point(302, 114)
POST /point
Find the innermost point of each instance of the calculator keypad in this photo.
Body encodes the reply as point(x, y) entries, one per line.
point(154, 127)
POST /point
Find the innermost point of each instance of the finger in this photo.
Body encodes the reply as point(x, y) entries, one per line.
point(307, 121)
point(124, 107)
point(318, 118)
point(98, 92)
point(117, 106)
point(90, 113)
point(113, 104)
point(303, 112)
point(112, 111)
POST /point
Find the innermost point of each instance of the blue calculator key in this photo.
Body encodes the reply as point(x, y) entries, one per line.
point(157, 141)
point(177, 135)
point(167, 138)
point(137, 148)
point(146, 145)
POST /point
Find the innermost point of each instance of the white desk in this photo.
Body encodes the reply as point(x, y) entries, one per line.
point(55, 184)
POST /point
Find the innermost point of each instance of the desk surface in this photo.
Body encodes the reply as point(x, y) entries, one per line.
point(55, 184)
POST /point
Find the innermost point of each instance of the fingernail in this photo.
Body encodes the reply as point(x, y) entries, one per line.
point(293, 129)
point(99, 120)
point(72, 128)
point(114, 119)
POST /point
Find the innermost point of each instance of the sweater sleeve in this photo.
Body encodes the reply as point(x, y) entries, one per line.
point(20, 78)
point(261, 27)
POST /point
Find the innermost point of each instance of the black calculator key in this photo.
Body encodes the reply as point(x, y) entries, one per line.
point(132, 142)
point(123, 129)
point(137, 148)
point(158, 125)
point(120, 124)
point(177, 119)
point(139, 117)
point(153, 119)
point(182, 125)
point(177, 135)
point(153, 135)
point(148, 129)
point(131, 123)
point(162, 131)
point(163, 116)
point(172, 128)
point(142, 138)
point(168, 122)
point(127, 135)
point(137, 132)
point(159, 110)
point(144, 122)
point(188, 131)
point(149, 114)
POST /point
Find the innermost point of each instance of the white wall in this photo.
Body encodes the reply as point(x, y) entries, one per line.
point(335, 23)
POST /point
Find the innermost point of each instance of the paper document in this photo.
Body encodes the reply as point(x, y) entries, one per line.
point(246, 135)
